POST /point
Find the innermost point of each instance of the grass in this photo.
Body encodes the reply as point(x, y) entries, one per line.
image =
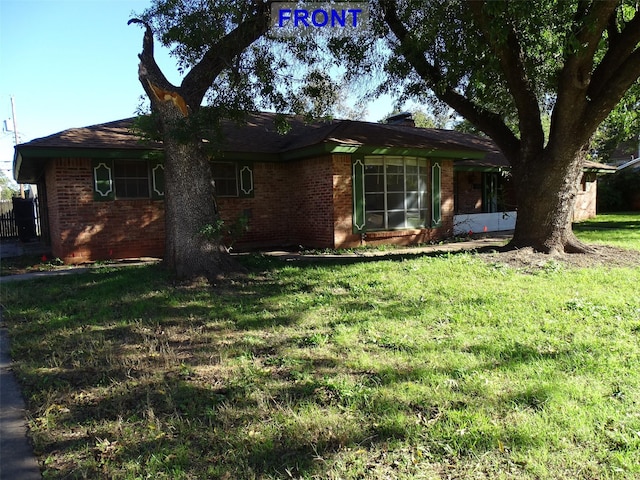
point(621, 230)
point(428, 368)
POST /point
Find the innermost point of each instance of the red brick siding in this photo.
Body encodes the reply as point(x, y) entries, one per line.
point(84, 230)
point(311, 197)
point(291, 205)
point(268, 210)
point(307, 202)
point(468, 192)
point(343, 236)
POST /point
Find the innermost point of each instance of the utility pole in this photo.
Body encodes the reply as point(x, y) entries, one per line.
point(15, 136)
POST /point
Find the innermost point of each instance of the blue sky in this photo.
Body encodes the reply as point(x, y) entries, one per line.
point(72, 63)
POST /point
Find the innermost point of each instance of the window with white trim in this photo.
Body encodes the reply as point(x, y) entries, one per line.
point(127, 179)
point(395, 192)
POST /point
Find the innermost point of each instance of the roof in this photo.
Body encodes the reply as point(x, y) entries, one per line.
point(259, 136)
point(596, 167)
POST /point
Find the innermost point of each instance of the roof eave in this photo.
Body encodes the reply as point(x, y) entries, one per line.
point(338, 148)
point(37, 157)
point(17, 163)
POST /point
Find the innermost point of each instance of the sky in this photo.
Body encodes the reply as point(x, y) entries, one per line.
point(73, 63)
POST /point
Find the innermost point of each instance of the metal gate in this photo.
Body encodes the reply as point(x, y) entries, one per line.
point(20, 218)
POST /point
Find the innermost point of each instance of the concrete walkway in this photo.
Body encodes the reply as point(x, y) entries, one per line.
point(496, 239)
point(17, 461)
point(76, 270)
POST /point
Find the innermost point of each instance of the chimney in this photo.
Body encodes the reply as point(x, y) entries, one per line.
point(403, 118)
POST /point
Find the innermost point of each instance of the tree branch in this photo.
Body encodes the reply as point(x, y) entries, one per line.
point(576, 74)
point(486, 120)
point(621, 46)
point(155, 84)
point(613, 90)
point(510, 55)
point(196, 83)
point(148, 66)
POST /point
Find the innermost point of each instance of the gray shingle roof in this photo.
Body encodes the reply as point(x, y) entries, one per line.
point(259, 135)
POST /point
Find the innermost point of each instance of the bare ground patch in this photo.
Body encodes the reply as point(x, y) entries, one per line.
point(528, 259)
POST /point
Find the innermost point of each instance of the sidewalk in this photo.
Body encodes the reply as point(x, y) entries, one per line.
point(77, 270)
point(488, 240)
point(17, 460)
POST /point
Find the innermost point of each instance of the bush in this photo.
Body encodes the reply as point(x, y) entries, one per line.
point(619, 192)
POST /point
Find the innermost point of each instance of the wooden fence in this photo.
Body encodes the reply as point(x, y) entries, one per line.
point(30, 220)
point(8, 227)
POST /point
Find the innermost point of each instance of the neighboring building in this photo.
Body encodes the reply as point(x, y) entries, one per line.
point(326, 185)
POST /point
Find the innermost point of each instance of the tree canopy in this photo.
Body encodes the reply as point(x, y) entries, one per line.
point(504, 66)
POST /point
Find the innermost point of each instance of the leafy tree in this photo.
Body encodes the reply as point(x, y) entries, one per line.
point(229, 68)
point(221, 63)
point(504, 65)
point(622, 125)
point(7, 188)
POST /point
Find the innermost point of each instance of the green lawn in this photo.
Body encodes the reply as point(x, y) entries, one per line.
point(620, 230)
point(428, 368)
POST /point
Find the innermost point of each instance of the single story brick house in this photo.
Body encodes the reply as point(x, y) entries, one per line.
point(333, 184)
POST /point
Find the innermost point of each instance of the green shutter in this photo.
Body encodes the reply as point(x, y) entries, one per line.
point(156, 170)
point(103, 186)
point(436, 211)
point(359, 217)
point(245, 180)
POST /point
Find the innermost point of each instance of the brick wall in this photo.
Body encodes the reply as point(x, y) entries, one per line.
point(343, 236)
point(307, 202)
point(84, 230)
point(468, 186)
point(291, 205)
point(585, 203)
point(268, 210)
point(311, 199)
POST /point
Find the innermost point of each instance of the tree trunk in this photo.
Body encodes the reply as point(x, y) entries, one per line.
point(190, 203)
point(189, 206)
point(546, 192)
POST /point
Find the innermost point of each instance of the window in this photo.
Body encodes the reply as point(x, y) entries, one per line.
point(395, 192)
point(127, 179)
point(233, 179)
point(131, 178)
point(225, 176)
point(491, 192)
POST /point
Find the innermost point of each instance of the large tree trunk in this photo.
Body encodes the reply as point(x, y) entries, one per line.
point(546, 192)
point(190, 203)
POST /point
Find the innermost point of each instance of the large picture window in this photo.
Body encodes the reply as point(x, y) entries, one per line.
point(395, 192)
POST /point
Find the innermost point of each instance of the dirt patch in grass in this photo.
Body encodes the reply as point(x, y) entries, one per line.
point(528, 259)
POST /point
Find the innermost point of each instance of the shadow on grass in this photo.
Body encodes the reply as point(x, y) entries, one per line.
point(224, 382)
point(596, 226)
